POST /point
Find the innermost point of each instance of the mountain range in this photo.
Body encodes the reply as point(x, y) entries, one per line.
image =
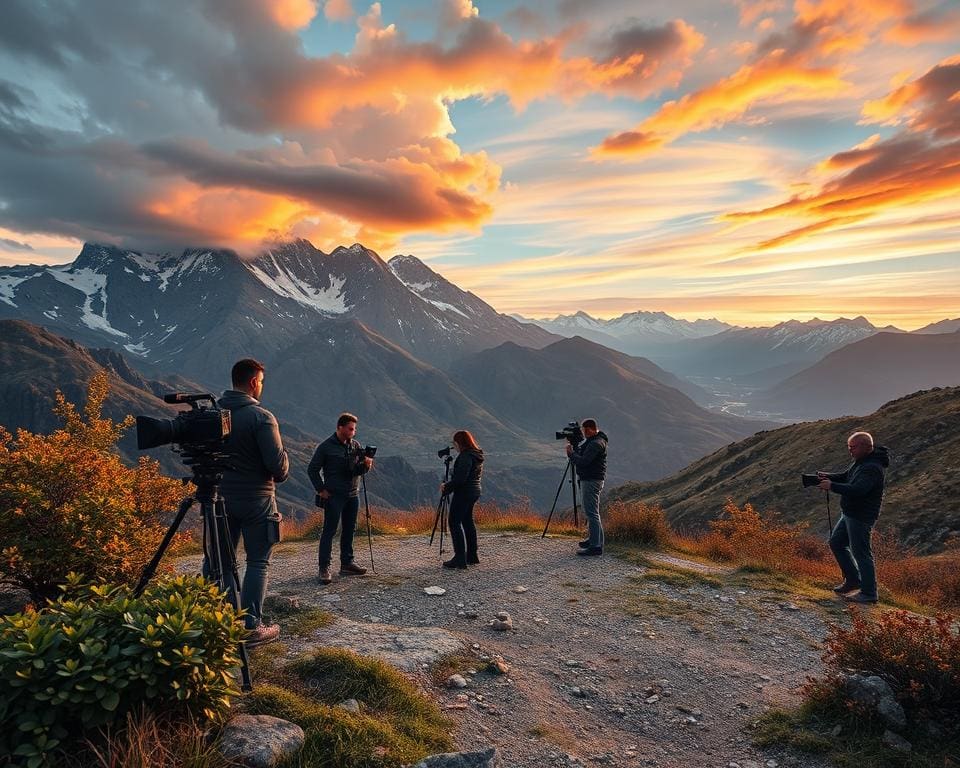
point(922, 500)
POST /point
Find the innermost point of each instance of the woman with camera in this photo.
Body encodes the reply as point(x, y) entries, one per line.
point(465, 487)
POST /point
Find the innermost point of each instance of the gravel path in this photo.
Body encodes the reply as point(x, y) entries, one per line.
point(606, 666)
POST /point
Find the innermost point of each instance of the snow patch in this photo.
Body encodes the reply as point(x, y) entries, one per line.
point(91, 284)
point(8, 284)
point(289, 285)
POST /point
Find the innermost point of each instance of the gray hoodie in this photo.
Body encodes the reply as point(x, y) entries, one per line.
point(256, 452)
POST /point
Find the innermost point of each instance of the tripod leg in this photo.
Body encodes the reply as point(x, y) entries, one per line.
point(151, 567)
point(366, 504)
point(436, 520)
point(573, 487)
point(222, 533)
point(556, 499)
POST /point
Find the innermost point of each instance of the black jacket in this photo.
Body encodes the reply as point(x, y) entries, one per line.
point(590, 457)
point(467, 471)
point(336, 467)
point(256, 451)
point(861, 486)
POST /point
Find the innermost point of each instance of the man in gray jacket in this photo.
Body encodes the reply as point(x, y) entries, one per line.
point(258, 461)
point(335, 471)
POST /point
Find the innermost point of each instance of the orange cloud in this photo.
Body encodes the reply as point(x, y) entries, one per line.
point(292, 14)
point(773, 81)
point(338, 10)
point(913, 167)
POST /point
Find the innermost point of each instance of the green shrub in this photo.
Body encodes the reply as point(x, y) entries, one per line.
point(90, 657)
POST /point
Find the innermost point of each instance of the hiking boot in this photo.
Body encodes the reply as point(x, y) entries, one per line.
point(325, 576)
point(352, 569)
point(454, 563)
point(473, 559)
point(591, 551)
point(263, 634)
point(846, 588)
point(584, 544)
point(861, 598)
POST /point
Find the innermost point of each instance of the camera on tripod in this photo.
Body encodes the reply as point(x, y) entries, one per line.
point(369, 451)
point(572, 433)
point(443, 452)
point(809, 479)
point(201, 426)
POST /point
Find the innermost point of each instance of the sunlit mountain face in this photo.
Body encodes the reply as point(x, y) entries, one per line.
point(753, 161)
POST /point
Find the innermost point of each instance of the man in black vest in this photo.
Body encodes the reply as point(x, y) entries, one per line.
point(335, 471)
point(861, 496)
point(590, 461)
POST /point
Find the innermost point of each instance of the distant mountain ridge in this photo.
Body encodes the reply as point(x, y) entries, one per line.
point(922, 501)
point(858, 378)
point(157, 307)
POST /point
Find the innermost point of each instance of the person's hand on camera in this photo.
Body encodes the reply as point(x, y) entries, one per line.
point(324, 494)
point(443, 488)
point(368, 463)
point(569, 449)
point(824, 484)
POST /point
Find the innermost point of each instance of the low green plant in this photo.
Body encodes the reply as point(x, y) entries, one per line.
point(88, 658)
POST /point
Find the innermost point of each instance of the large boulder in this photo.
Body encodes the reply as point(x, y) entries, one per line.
point(874, 693)
point(260, 741)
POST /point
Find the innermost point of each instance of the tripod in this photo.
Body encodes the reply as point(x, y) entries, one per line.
point(573, 488)
point(219, 556)
point(366, 504)
point(829, 517)
point(443, 506)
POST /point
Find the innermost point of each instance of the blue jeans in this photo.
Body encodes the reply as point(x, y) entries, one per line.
point(850, 543)
point(248, 518)
point(339, 509)
point(590, 492)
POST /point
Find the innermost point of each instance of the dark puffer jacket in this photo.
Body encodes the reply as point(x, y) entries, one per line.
point(467, 472)
point(336, 467)
point(590, 457)
point(257, 455)
point(861, 486)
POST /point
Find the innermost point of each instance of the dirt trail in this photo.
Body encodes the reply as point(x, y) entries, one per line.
point(608, 666)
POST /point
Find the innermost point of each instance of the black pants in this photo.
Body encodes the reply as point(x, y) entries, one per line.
point(463, 531)
point(339, 509)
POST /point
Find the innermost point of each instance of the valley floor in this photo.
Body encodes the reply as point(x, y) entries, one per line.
point(620, 660)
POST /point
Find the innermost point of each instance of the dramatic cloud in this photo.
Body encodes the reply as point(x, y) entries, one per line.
point(916, 166)
point(301, 140)
point(798, 64)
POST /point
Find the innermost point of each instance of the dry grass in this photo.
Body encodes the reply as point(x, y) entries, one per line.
point(637, 523)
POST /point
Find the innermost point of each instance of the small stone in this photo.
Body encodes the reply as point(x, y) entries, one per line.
point(260, 741)
point(435, 590)
point(771, 764)
point(351, 705)
point(520, 589)
point(499, 666)
point(896, 741)
point(789, 607)
point(456, 681)
point(653, 699)
point(836, 730)
point(503, 616)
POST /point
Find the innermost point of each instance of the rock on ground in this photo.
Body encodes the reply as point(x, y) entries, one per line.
point(260, 741)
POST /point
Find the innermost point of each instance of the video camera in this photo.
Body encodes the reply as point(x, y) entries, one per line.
point(809, 480)
point(201, 427)
point(369, 451)
point(572, 433)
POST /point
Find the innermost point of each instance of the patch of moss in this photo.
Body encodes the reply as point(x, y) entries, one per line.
point(397, 725)
point(308, 621)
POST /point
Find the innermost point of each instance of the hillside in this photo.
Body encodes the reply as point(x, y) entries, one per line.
point(922, 501)
point(652, 426)
point(860, 377)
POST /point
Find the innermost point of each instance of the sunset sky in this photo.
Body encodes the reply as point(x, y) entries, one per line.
point(753, 160)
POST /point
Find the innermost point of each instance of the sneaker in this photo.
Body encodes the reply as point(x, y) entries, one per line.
point(325, 576)
point(584, 544)
point(473, 559)
point(454, 563)
point(860, 598)
point(263, 634)
point(352, 569)
point(846, 588)
point(591, 551)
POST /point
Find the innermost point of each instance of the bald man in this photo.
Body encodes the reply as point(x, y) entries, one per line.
point(861, 495)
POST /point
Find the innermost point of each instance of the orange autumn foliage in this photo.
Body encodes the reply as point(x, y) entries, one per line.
point(69, 503)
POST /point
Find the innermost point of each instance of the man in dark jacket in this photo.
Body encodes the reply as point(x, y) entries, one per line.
point(861, 496)
point(590, 461)
point(258, 461)
point(335, 471)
